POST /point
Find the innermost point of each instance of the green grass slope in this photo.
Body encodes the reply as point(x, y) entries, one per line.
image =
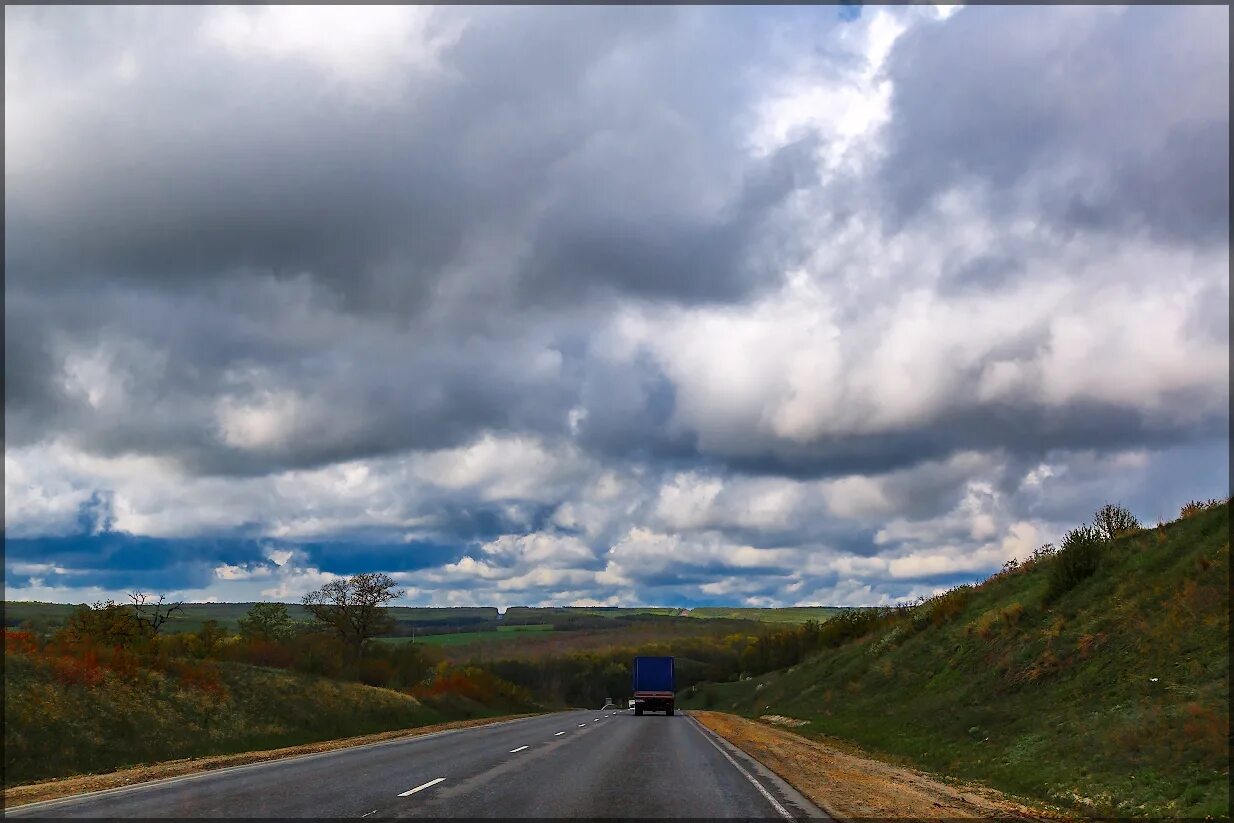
point(1112, 699)
point(55, 729)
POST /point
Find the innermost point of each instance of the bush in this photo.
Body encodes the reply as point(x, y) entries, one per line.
point(374, 671)
point(1112, 520)
point(17, 641)
point(1076, 561)
point(947, 605)
point(1194, 507)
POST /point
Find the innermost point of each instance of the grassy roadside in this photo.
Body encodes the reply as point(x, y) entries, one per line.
point(849, 784)
point(79, 784)
point(65, 717)
point(1111, 699)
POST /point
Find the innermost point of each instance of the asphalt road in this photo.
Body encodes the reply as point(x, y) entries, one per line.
point(583, 763)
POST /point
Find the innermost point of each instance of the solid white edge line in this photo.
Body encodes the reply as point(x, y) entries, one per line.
point(774, 803)
point(519, 749)
point(421, 787)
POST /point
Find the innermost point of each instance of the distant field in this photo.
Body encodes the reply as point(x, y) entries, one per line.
point(547, 612)
point(464, 638)
point(228, 615)
point(486, 621)
point(792, 614)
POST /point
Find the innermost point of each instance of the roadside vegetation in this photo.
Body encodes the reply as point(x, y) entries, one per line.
point(1094, 675)
point(110, 688)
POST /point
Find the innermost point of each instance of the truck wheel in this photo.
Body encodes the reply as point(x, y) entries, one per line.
point(638, 711)
point(668, 712)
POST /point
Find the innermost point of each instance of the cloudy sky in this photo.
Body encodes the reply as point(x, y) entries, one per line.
point(604, 305)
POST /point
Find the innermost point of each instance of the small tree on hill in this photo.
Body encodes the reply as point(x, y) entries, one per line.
point(268, 622)
point(1112, 520)
point(353, 607)
point(210, 638)
point(106, 624)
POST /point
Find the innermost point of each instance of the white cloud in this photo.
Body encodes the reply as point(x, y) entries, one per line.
point(358, 45)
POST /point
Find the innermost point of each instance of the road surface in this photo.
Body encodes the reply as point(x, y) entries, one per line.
point(583, 763)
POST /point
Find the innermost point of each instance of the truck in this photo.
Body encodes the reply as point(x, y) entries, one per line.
point(655, 685)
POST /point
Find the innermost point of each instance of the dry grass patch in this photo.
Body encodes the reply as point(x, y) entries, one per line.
point(849, 784)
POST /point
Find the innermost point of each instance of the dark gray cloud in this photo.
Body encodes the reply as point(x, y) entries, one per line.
point(191, 171)
point(1095, 117)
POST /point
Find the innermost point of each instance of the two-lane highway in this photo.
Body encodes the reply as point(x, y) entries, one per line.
point(605, 763)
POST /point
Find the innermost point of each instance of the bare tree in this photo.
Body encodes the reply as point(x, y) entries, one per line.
point(152, 614)
point(353, 607)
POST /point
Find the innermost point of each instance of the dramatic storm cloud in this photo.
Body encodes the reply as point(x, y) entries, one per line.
point(604, 305)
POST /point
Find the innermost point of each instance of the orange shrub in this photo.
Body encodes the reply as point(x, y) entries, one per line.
point(267, 653)
point(20, 642)
point(78, 671)
point(203, 676)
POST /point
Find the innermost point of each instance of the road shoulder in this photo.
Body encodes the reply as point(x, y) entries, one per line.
point(850, 786)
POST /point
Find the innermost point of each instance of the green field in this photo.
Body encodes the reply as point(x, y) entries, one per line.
point(466, 638)
point(46, 616)
point(788, 614)
point(1112, 699)
point(549, 613)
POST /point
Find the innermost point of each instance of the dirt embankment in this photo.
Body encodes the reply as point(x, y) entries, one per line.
point(849, 785)
point(64, 787)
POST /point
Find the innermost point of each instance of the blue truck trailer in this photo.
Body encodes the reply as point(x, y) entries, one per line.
point(655, 685)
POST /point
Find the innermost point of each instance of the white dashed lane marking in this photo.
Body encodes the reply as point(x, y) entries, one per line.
point(519, 749)
point(421, 787)
point(559, 734)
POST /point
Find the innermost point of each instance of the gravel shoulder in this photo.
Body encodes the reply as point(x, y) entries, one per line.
point(849, 784)
point(79, 784)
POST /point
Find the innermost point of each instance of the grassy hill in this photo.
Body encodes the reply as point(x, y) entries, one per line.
point(1111, 699)
point(66, 717)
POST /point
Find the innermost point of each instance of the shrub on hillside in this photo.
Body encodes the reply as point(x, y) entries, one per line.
point(1112, 520)
point(18, 641)
point(942, 608)
point(105, 624)
point(374, 671)
point(1194, 507)
point(1075, 561)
